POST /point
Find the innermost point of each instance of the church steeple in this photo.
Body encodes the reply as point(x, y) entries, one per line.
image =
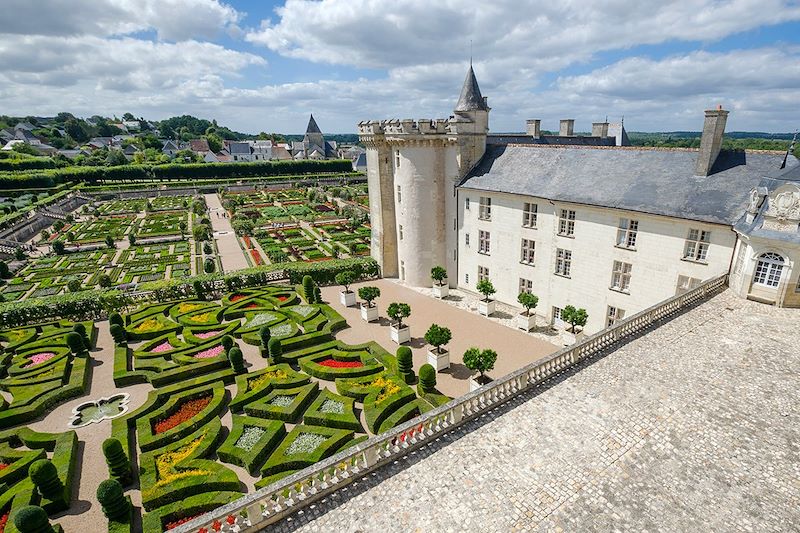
point(312, 126)
point(471, 98)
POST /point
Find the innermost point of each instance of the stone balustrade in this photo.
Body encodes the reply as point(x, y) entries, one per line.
point(270, 504)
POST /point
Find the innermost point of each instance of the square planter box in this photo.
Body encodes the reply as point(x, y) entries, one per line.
point(526, 322)
point(369, 314)
point(486, 308)
point(348, 298)
point(475, 382)
point(401, 335)
point(439, 361)
point(441, 291)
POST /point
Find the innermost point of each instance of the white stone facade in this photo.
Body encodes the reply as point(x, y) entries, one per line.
point(658, 268)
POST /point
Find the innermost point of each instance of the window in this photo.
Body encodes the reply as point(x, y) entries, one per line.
point(563, 262)
point(566, 222)
point(483, 273)
point(769, 270)
point(614, 314)
point(397, 159)
point(621, 276)
point(697, 245)
point(557, 316)
point(528, 248)
point(399, 195)
point(685, 284)
point(466, 239)
point(483, 242)
point(466, 204)
point(485, 208)
point(529, 213)
point(525, 285)
point(402, 270)
point(626, 233)
point(466, 278)
point(401, 232)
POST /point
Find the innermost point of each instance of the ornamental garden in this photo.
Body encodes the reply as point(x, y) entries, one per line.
point(246, 386)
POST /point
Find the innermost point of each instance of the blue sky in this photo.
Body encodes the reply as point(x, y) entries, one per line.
point(264, 66)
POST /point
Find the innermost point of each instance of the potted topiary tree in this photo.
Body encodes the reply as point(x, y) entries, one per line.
point(574, 317)
point(486, 306)
point(398, 311)
point(481, 361)
point(438, 336)
point(527, 320)
point(347, 297)
point(440, 287)
point(369, 312)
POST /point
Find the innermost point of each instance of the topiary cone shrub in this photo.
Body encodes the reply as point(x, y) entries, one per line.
point(405, 364)
point(119, 334)
point(198, 290)
point(75, 342)
point(275, 350)
point(119, 466)
point(112, 499)
point(427, 378)
point(318, 295)
point(44, 475)
point(237, 360)
point(80, 329)
point(116, 318)
point(308, 288)
point(32, 519)
point(264, 334)
point(227, 343)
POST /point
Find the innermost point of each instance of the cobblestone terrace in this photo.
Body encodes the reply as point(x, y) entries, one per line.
point(692, 427)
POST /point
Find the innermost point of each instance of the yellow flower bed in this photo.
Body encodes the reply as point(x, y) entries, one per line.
point(200, 318)
point(265, 378)
point(167, 466)
point(151, 324)
point(187, 307)
point(388, 387)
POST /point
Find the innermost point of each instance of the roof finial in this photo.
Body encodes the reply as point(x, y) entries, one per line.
point(789, 150)
point(470, 52)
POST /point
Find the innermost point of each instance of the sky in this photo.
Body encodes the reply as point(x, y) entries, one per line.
point(256, 65)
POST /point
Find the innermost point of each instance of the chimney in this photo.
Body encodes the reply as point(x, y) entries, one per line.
point(711, 141)
point(534, 127)
point(600, 129)
point(566, 127)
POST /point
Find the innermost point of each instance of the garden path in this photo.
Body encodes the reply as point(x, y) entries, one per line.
point(514, 347)
point(229, 250)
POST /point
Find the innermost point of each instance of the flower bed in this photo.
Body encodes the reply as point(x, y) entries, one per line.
point(250, 436)
point(256, 257)
point(207, 334)
point(332, 363)
point(283, 400)
point(185, 412)
point(180, 522)
point(39, 358)
point(263, 379)
point(209, 353)
point(236, 297)
point(332, 407)
point(305, 443)
point(163, 347)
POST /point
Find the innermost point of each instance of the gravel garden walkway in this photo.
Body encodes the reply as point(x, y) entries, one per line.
point(229, 250)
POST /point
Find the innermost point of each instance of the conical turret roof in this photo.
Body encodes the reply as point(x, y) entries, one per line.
point(471, 98)
point(312, 126)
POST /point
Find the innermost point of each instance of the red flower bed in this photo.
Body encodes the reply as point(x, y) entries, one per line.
point(3, 466)
point(236, 297)
point(251, 306)
point(185, 412)
point(332, 363)
point(180, 522)
point(282, 298)
point(256, 256)
point(247, 242)
point(4, 521)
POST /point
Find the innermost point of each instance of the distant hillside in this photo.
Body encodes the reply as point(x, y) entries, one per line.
point(341, 138)
point(734, 140)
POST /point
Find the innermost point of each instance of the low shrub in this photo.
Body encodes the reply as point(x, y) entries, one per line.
point(237, 360)
point(405, 364)
point(118, 334)
point(32, 519)
point(427, 378)
point(275, 350)
point(44, 475)
point(118, 464)
point(112, 499)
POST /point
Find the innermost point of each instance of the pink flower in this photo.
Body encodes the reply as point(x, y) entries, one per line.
point(163, 347)
point(39, 358)
point(211, 352)
point(207, 334)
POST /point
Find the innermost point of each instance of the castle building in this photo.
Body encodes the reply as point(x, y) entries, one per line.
point(313, 145)
point(587, 221)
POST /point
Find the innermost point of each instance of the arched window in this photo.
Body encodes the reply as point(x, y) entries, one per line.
point(768, 269)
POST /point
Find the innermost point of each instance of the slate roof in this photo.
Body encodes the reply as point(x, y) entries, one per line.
point(655, 181)
point(312, 126)
point(471, 98)
point(239, 148)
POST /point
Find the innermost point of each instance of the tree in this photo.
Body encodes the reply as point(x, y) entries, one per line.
point(207, 249)
point(480, 360)
point(199, 291)
point(112, 500)
point(438, 274)
point(76, 130)
point(74, 285)
point(5, 272)
point(132, 239)
point(209, 266)
point(104, 281)
point(486, 288)
point(438, 336)
point(398, 311)
point(368, 294)
point(45, 235)
point(200, 233)
point(575, 317)
point(116, 158)
point(345, 278)
point(182, 226)
point(427, 378)
point(110, 242)
point(214, 142)
point(528, 301)
point(75, 342)
point(19, 254)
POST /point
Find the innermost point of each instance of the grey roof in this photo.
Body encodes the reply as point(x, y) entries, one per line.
point(656, 181)
point(791, 172)
point(239, 148)
point(471, 98)
point(312, 126)
point(522, 138)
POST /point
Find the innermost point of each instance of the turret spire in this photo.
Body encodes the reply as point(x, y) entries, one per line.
point(471, 98)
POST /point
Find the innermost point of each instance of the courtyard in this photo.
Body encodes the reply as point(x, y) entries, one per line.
point(690, 427)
